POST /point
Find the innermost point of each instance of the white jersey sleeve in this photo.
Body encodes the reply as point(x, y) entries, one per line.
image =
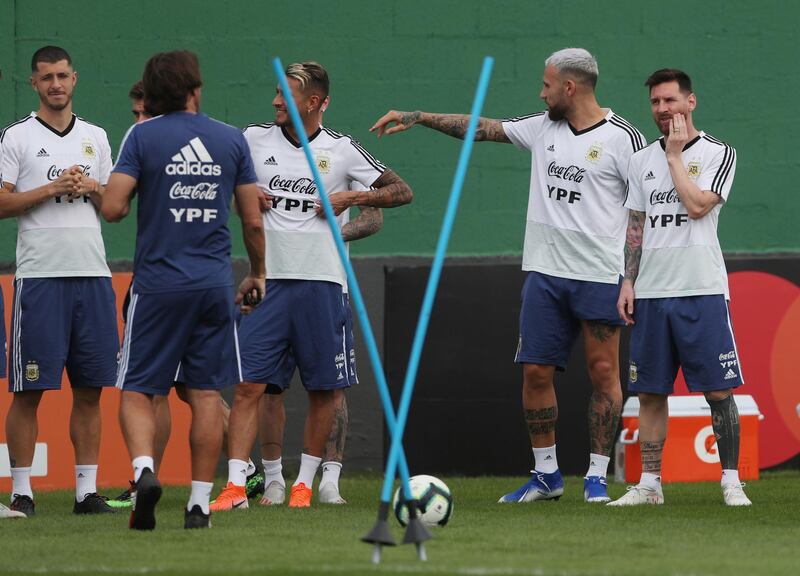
point(523, 131)
point(10, 157)
point(718, 175)
point(104, 158)
point(635, 199)
point(363, 167)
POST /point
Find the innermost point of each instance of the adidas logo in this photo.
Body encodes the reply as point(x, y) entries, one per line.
point(551, 148)
point(80, 475)
point(42, 154)
point(195, 160)
point(650, 176)
point(730, 374)
point(270, 161)
point(548, 457)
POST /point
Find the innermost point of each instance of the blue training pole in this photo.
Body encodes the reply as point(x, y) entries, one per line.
point(355, 290)
point(433, 280)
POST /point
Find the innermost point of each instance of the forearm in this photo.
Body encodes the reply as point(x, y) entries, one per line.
point(696, 201)
point(455, 125)
point(16, 203)
point(633, 244)
point(367, 223)
point(254, 243)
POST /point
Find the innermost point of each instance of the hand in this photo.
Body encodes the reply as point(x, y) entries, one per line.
point(86, 186)
point(402, 121)
point(265, 200)
point(251, 293)
point(625, 302)
point(678, 136)
point(67, 183)
point(340, 201)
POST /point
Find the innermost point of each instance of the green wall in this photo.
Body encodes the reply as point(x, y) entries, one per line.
point(415, 54)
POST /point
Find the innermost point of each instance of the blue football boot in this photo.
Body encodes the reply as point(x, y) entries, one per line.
point(541, 486)
point(595, 489)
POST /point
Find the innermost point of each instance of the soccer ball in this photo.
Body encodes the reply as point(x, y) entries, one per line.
point(435, 501)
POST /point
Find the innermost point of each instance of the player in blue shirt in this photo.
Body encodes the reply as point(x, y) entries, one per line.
point(186, 169)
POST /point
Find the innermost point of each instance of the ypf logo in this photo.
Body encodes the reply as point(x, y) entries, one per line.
point(705, 445)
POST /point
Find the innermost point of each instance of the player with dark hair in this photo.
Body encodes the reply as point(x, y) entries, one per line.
point(54, 169)
point(574, 236)
point(675, 291)
point(303, 322)
point(187, 168)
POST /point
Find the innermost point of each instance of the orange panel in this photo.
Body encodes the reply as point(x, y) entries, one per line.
point(114, 466)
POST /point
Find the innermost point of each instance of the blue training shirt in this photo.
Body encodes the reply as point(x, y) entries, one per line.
point(186, 167)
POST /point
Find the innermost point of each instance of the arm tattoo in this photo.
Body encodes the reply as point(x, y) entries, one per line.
point(455, 125)
point(389, 190)
point(367, 223)
point(633, 244)
point(651, 456)
point(601, 331)
point(541, 421)
point(604, 416)
point(334, 447)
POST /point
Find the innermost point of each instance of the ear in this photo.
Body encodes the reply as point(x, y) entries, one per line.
point(692, 102)
point(325, 104)
point(33, 82)
point(570, 87)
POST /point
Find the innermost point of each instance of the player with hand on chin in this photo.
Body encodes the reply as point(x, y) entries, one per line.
point(675, 291)
point(573, 254)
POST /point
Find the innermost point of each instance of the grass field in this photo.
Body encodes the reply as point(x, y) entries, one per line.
point(692, 534)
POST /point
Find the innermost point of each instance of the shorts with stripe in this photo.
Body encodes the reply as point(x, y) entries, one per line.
point(303, 324)
point(194, 329)
point(3, 342)
point(551, 315)
point(693, 333)
point(63, 322)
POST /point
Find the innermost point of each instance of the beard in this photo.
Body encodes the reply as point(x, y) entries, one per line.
point(55, 106)
point(556, 112)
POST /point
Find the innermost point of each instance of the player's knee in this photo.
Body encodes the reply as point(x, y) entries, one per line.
point(537, 377)
point(717, 395)
point(604, 374)
point(248, 392)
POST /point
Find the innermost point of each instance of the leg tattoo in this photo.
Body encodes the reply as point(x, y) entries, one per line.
point(725, 421)
point(541, 421)
point(334, 447)
point(604, 416)
point(651, 456)
point(600, 331)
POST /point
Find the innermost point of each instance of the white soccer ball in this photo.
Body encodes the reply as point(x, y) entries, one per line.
point(435, 501)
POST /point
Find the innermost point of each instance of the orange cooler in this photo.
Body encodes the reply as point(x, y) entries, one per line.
point(690, 452)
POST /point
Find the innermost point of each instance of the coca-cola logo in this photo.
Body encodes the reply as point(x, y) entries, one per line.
point(54, 172)
point(665, 197)
point(200, 191)
point(571, 173)
point(298, 186)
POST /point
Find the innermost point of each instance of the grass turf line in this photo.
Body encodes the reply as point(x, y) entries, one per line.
point(693, 533)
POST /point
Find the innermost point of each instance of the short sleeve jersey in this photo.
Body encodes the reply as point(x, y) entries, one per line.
point(681, 256)
point(60, 237)
point(576, 221)
point(186, 168)
point(299, 243)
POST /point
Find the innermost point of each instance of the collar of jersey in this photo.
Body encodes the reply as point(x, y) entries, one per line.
point(686, 146)
point(294, 142)
point(66, 131)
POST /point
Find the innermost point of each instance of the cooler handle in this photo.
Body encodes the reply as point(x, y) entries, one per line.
point(634, 438)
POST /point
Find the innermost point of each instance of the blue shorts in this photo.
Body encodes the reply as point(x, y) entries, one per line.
point(3, 343)
point(63, 322)
point(192, 328)
point(303, 324)
point(694, 333)
point(551, 315)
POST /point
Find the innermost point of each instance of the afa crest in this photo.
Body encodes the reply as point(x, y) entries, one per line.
point(594, 153)
point(693, 170)
point(87, 149)
point(32, 371)
point(323, 163)
point(633, 374)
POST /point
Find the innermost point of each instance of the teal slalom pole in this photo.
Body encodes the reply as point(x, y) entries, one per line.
point(380, 534)
point(433, 280)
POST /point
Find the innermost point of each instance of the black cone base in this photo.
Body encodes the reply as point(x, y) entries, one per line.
point(380, 533)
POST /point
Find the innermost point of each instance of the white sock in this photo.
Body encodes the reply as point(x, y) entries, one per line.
point(308, 469)
point(544, 459)
point(649, 480)
point(201, 495)
point(273, 472)
point(21, 482)
point(598, 465)
point(730, 477)
point(237, 472)
point(139, 464)
point(251, 468)
point(330, 473)
point(85, 481)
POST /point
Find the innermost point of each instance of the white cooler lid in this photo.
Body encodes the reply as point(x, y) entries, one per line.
point(694, 405)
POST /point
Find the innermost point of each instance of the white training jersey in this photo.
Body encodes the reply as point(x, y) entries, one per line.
point(680, 256)
point(576, 221)
point(299, 244)
point(60, 237)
